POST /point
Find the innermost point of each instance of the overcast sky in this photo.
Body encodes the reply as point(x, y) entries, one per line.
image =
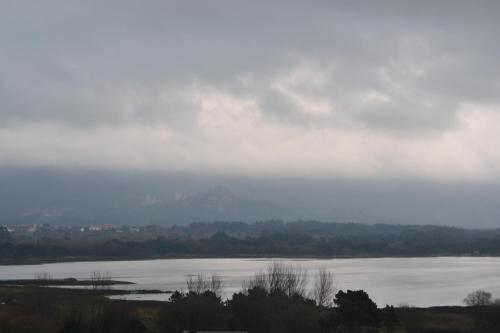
point(344, 89)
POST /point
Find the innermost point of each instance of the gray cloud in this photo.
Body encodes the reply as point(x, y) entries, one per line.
point(201, 86)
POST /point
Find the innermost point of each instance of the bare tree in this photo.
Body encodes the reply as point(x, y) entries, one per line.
point(280, 278)
point(324, 288)
point(197, 284)
point(216, 284)
point(478, 298)
point(200, 283)
point(100, 279)
point(43, 276)
point(258, 281)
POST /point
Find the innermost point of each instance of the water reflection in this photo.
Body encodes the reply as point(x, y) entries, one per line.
point(414, 281)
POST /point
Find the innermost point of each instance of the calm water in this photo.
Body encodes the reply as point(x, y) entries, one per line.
point(412, 281)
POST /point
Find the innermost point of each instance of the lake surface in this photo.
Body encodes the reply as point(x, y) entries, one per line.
point(396, 281)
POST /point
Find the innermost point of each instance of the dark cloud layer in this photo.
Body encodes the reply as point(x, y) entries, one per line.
point(378, 89)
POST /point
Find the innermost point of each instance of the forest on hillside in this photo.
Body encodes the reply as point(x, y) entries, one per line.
point(272, 238)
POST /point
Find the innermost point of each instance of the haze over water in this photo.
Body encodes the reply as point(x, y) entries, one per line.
point(396, 281)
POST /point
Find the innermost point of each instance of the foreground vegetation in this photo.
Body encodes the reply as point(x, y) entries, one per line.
point(274, 301)
point(272, 238)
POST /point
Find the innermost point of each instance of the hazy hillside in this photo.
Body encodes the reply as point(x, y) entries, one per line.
point(85, 197)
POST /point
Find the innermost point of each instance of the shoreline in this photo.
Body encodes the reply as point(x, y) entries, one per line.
point(41, 261)
point(66, 282)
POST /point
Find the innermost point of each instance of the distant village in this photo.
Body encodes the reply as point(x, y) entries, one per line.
point(54, 233)
point(34, 228)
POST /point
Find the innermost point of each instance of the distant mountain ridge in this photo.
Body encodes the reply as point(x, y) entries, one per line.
point(217, 203)
point(127, 198)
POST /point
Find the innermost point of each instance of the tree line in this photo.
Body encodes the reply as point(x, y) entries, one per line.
point(424, 241)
